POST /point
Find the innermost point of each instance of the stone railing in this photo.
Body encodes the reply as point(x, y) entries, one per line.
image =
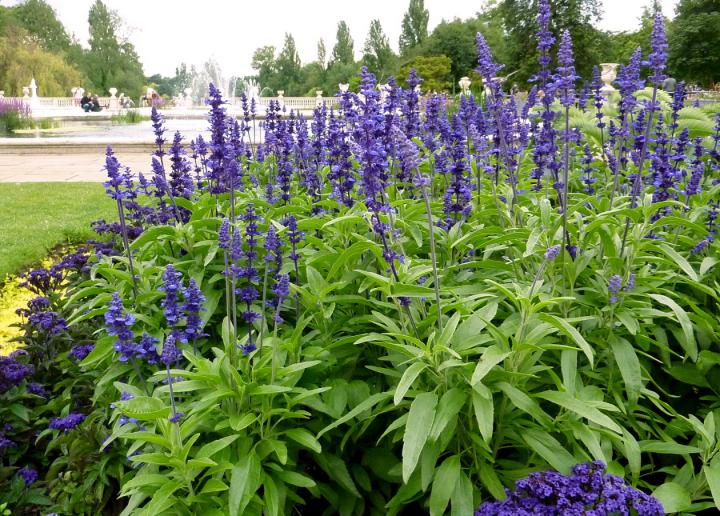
point(296, 103)
point(290, 103)
point(55, 102)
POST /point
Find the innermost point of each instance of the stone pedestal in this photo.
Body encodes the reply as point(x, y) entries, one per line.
point(114, 104)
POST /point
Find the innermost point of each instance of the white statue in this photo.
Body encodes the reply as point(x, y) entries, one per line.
point(464, 84)
point(608, 75)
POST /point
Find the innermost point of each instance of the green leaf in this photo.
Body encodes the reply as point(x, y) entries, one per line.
point(211, 448)
point(144, 408)
point(688, 344)
point(632, 452)
point(304, 438)
point(214, 485)
point(673, 496)
point(712, 475)
point(408, 377)
point(271, 496)
point(446, 479)
point(295, 479)
point(525, 403)
point(580, 408)
point(337, 470)
point(484, 409)
point(490, 480)
point(567, 329)
point(461, 499)
point(417, 430)
point(629, 365)
point(490, 358)
point(549, 449)
point(244, 481)
point(680, 260)
point(103, 349)
point(450, 404)
point(667, 447)
point(161, 497)
point(359, 409)
point(449, 330)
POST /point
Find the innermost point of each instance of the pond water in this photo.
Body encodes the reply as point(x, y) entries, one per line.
point(106, 130)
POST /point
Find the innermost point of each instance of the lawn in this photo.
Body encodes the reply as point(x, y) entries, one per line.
point(36, 217)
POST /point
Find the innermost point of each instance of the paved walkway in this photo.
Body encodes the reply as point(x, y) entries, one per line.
point(87, 166)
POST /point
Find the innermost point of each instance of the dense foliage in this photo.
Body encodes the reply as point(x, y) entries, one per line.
point(390, 309)
point(34, 43)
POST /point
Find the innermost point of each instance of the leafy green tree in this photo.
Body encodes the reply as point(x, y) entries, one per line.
point(313, 78)
point(111, 61)
point(289, 68)
point(457, 40)
point(414, 26)
point(321, 53)
point(42, 24)
point(435, 71)
point(695, 41)
point(577, 16)
point(343, 51)
point(263, 62)
point(377, 54)
point(339, 73)
point(21, 59)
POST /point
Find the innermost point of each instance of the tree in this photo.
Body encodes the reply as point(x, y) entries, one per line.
point(321, 53)
point(623, 44)
point(289, 67)
point(22, 58)
point(343, 52)
point(263, 62)
point(41, 22)
point(111, 60)
point(695, 40)
point(414, 26)
point(377, 54)
point(337, 74)
point(457, 40)
point(577, 16)
point(435, 72)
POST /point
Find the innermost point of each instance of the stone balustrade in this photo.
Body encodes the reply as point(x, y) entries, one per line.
point(290, 103)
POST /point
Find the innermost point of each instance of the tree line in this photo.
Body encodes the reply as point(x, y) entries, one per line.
point(448, 52)
point(33, 42)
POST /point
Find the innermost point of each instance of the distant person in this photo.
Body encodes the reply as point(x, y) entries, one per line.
point(86, 102)
point(126, 102)
point(96, 104)
point(669, 84)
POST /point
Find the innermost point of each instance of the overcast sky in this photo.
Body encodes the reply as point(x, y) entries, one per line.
point(168, 32)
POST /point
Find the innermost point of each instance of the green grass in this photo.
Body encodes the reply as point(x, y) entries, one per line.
point(37, 217)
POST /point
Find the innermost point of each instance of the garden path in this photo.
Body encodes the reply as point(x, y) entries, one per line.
point(49, 167)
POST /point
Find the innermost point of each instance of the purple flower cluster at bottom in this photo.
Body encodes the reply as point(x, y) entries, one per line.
point(588, 491)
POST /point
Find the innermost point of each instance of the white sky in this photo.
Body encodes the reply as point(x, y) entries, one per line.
point(168, 32)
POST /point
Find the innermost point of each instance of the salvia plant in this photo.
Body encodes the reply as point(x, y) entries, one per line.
point(406, 304)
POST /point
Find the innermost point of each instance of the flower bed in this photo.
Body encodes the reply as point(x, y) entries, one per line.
point(386, 310)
